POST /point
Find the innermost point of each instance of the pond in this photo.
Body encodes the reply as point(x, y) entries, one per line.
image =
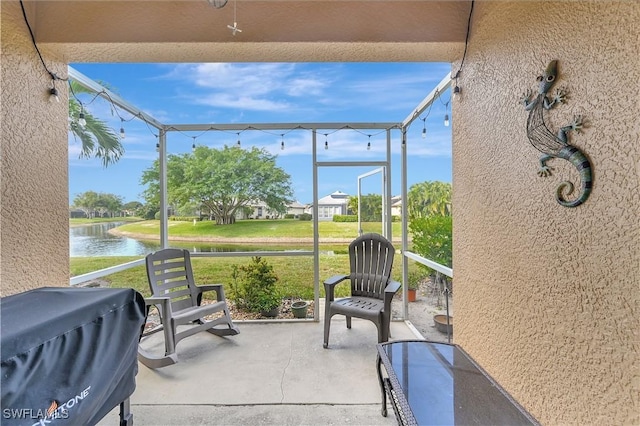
point(95, 240)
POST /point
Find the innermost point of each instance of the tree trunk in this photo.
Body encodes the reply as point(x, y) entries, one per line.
point(225, 220)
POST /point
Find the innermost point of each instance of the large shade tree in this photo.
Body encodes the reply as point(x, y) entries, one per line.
point(90, 202)
point(222, 181)
point(97, 138)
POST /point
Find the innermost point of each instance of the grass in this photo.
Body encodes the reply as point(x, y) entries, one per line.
point(85, 221)
point(263, 228)
point(295, 273)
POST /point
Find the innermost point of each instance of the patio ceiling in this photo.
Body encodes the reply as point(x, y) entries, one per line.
point(272, 30)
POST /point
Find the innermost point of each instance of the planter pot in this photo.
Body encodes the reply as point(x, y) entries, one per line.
point(411, 294)
point(272, 313)
point(441, 323)
point(299, 309)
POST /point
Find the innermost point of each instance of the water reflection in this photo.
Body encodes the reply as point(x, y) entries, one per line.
point(95, 240)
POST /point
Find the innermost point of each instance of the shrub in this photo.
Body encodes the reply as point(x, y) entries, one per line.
point(345, 218)
point(185, 218)
point(432, 238)
point(289, 216)
point(414, 279)
point(305, 216)
point(254, 286)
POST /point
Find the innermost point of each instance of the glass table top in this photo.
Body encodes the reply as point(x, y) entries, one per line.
point(443, 386)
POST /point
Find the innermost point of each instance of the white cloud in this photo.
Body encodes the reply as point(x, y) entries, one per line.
point(251, 87)
point(226, 100)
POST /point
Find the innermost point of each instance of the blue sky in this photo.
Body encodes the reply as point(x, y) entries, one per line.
point(219, 93)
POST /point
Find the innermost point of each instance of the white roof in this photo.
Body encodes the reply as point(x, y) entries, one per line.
point(337, 198)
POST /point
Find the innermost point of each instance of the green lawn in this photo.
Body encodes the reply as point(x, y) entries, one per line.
point(295, 273)
point(263, 228)
point(85, 221)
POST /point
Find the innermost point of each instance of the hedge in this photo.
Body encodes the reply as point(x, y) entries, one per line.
point(345, 218)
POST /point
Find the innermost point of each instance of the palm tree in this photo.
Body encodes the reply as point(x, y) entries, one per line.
point(98, 139)
point(429, 199)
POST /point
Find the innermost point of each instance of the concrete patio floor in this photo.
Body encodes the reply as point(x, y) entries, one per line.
point(271, 373)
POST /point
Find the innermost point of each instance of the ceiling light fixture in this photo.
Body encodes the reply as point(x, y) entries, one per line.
point(218, 4)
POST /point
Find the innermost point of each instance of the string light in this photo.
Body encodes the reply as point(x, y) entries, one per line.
point(238, 143)
point(456, 89)
point(193, 147)
point(81, 120)
point(282, 143)
point(326, 142)
point(158, 147)
point(122, 133)
point(369, 143)
point(53, 93)
point(446, 119)
point(424, 127)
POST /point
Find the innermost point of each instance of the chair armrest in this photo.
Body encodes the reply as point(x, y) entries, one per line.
point(389, 291)
point(163, 302)
point(218, 288)
point(392, 287)
point(164, 305)
point(329, 285)
point(335, 279)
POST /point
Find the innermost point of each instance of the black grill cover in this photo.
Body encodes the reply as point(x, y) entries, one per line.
point(69, 355)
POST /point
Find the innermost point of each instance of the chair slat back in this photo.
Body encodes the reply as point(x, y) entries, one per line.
point(371, 260)
point(170, 275)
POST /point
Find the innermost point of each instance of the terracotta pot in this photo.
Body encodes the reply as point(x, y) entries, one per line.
point(411, 295)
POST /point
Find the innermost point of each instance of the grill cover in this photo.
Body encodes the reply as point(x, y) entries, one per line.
point(69, 355)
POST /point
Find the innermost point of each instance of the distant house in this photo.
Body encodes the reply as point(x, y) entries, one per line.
point(260, 210)
point(333, 204)
point(296, 208)
point(396, 206)
point(77, 213)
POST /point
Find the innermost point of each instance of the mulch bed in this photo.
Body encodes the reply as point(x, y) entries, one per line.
point(153, 320)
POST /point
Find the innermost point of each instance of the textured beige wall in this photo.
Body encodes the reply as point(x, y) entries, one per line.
point(546, 296)
point(34, 226)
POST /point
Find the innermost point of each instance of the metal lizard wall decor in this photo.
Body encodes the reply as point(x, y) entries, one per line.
point(556, 146)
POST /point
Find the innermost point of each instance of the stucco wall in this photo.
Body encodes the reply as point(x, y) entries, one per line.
point(34, 226)
point(546, 297)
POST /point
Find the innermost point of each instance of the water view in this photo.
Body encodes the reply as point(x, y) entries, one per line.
point(95, 240)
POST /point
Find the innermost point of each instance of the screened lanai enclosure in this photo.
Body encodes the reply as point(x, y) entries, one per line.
point(393, 135)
